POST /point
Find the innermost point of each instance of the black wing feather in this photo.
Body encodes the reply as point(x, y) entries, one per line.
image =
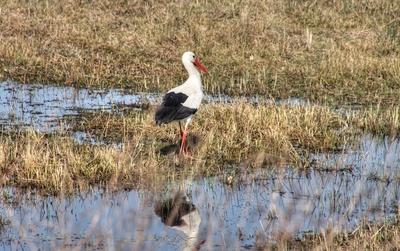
point(172, 109)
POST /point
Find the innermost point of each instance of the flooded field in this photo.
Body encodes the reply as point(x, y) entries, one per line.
point(42, 106)
point(338, 192)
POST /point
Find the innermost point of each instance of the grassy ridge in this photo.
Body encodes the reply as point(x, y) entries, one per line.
point(341, 51)
point(221, 136)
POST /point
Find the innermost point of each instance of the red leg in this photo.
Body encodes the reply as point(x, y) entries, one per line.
point(180, 128)
point(183, 136)
point(184, 146)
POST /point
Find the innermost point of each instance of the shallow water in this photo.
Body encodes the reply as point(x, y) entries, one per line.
point(341, 190)
point(255, 210)
point(43, 107)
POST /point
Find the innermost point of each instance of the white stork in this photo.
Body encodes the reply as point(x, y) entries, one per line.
point(183, 101)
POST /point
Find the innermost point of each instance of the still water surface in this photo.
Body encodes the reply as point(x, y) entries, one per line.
point(361, 184)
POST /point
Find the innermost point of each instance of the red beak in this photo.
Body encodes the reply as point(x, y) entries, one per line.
point(195, 62)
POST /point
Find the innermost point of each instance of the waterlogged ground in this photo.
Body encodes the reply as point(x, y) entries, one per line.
point(43, 106)
point(227, 216)
point(338, 191)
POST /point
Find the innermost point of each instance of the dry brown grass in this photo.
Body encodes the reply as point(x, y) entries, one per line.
point(380, 120)
point(57, 164)
point(234, 133)
point(221, 134)
point(367, 236)
point(342, 51)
